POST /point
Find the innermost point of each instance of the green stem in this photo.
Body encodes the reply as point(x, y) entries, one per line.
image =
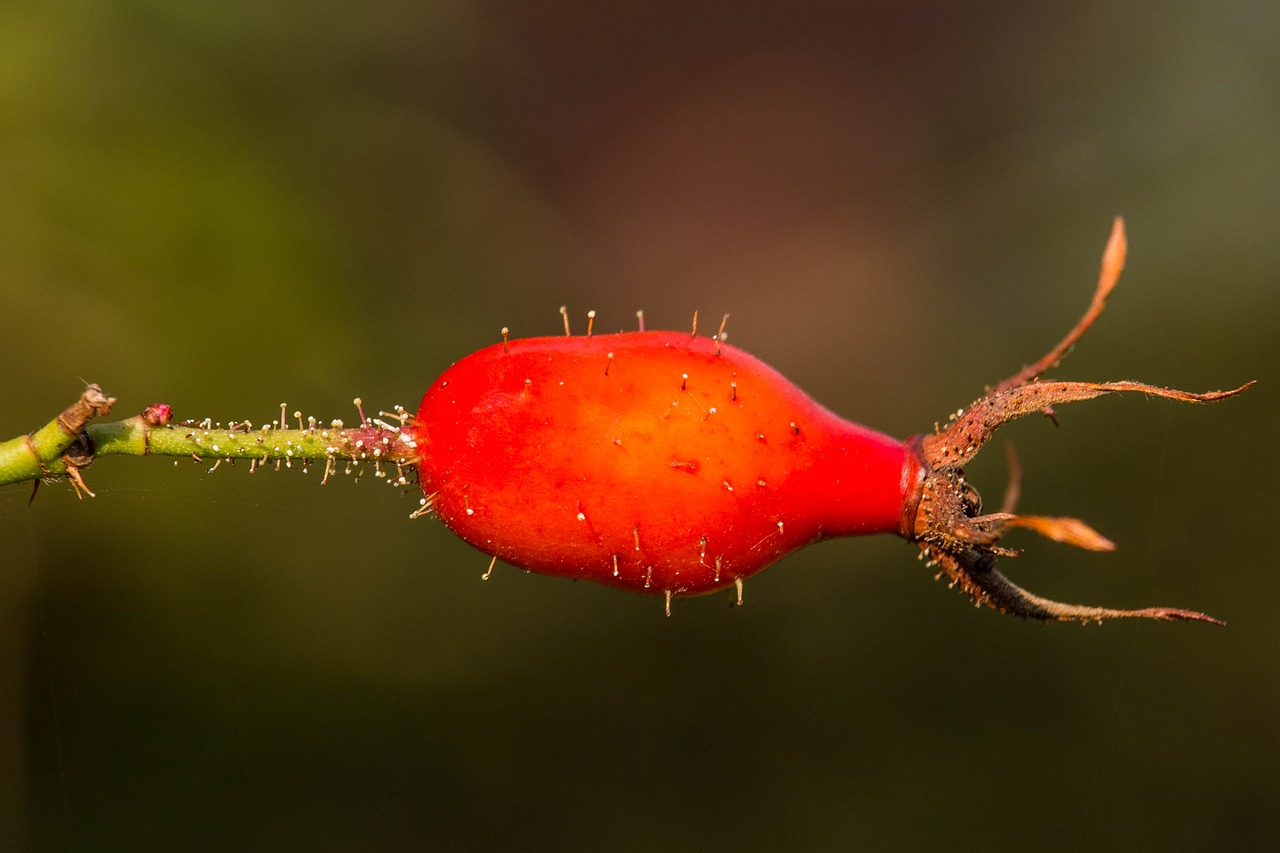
point(67, 444)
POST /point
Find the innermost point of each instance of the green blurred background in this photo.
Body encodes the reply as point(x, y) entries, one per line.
point(224, 206)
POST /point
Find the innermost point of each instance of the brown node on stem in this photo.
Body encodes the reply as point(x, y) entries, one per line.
point(72, 421)
point(944, 513)
point(93, 403)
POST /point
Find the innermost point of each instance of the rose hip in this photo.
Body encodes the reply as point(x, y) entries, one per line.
point(651, 461)
point(676, 465)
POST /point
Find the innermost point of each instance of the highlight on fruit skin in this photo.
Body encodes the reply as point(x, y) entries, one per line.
point(673, 464)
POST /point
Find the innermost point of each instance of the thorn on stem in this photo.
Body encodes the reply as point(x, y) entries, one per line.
point(78, 484)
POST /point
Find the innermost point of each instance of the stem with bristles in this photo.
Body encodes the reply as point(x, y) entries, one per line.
point(69, 443)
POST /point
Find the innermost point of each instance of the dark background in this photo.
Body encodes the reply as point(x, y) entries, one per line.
point(224, 206)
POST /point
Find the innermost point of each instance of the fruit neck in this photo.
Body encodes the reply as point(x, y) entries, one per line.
point(865, 478)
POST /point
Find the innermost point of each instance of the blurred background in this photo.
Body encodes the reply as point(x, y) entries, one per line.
point(228, 206)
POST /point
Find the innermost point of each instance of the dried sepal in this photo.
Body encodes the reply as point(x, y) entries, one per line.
point(1069, 531)
point(974, 572)
point(956, 446)
point(946, 519)
point(1113, 258)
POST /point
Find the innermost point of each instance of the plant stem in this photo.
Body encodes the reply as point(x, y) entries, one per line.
point(68, 443)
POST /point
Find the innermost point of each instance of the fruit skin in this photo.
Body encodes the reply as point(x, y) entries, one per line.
point(657, 462)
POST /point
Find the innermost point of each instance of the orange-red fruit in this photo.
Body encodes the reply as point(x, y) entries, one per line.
point(653, 461)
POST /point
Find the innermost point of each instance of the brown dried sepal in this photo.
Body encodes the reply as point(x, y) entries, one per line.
point(956, 446)
point(974, 572)
point(945, 517)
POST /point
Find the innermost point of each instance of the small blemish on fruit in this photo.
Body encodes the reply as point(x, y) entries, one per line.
point(780, 528)
point(728, 486)
point(760, 437)
point(761, 483)
point(795, 430)
point(685, 465)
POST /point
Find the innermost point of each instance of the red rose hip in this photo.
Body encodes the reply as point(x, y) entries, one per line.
point(653, 461)
point(675, 465)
